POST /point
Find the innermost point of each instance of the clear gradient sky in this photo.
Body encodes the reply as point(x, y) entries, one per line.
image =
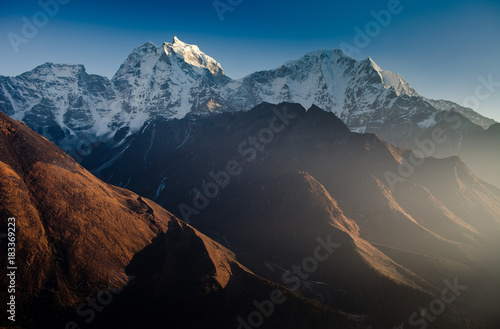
point(441, 48)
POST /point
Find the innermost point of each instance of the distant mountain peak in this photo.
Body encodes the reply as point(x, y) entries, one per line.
point(193, 55)
point(373, 64)
point(57, 70)
point(176, 40)
point(148, 44)
point(175, 78)
point(392, 80)
point(331, 54)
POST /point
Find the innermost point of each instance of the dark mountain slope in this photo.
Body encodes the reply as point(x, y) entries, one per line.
point(80, 241)
point(313, 178)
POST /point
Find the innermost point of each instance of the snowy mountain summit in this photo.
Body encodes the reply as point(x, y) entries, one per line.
point(393, 80)
point(66, 104)
point(163, 81)
point(192, 55)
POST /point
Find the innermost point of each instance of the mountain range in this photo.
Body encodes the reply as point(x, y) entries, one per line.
point(65, 104)
point(267, 197)
point(307, 213)
point(87, 251)
point(326, 193)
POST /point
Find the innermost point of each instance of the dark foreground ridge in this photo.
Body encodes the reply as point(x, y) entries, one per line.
point(92, 255)
point(294, 222)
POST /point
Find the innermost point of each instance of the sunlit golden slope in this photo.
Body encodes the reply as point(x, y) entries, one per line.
point(77, 235)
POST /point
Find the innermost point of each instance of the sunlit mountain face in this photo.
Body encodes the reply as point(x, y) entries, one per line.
point(325, 193)
point(89, 243)
point(73, 108)
point(268, 198)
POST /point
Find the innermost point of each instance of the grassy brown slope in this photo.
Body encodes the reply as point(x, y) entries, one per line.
point(419, 216)
point(186, 280)
point(74, 232)
point(77, 235)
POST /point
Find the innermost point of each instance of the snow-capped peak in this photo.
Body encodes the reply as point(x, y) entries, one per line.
point(393, 80)
point(193, 55)
point(56, 70)
point(374, 65)
point(178, 41)
point(174, 79)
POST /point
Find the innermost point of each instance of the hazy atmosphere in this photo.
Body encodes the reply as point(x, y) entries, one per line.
point(243, 164)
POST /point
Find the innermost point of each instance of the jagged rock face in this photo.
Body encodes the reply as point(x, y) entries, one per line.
point(168, 81)
point(66, 104)
point(354, 91)
point(73, 108)
point(59, 101)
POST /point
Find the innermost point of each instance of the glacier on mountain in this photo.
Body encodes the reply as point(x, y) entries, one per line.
point(65, 103)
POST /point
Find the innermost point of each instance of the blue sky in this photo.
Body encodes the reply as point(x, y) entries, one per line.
point(442, 48)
